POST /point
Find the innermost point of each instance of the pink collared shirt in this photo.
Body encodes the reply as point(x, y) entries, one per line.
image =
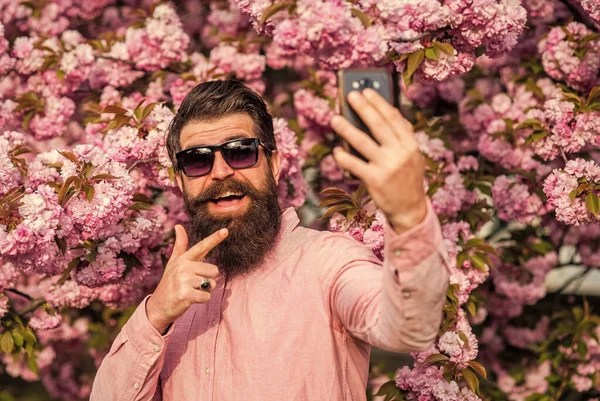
point(298, 328)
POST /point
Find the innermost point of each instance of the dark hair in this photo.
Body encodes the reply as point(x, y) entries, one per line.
point(211, 100)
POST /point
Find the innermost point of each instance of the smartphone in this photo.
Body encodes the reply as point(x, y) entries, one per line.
point(379, 79)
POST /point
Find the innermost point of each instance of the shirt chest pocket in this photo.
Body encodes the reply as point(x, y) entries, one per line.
point(177, 345)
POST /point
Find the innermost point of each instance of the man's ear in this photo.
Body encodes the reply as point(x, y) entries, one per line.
point(275, 165)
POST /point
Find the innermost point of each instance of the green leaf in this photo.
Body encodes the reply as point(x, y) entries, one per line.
point(352, 212)
point(32, 364)
point(112, 109)
point(594, 95)
point(140, 197)
point(333, 200)
point(436, 358)
point(333, 191)
point(464, 338)
point(335, 209)
point(480, 51)
point(533, 87)
point(18, 339)
point(471, 308)
point(479, 263)
point(89, 193)
point(148, 109)
point(445, 47)
point(461, 258)
point(27, 119)
point(271, 11)
point(450, 293)
point(100, 177)
point(7, 344)
point(477, 367)
point(573, 194)
point(432, 53)
point(61, 243)
point(530, 123)
point(139, 206)
point(472, 380)
point(388, 389)
point(582, 349)
point(69, 155)
point(591, 202)
point(29, 336)
point(364, 18)
point(414, 61)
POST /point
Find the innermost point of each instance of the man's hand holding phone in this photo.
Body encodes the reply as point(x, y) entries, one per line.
point(394, 168)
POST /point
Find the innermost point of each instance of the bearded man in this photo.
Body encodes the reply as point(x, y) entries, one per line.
point(254, 307)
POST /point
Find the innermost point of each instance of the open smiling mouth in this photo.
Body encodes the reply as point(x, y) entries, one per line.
point(228, 199)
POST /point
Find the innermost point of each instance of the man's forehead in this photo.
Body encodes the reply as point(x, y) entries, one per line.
point(198, 133)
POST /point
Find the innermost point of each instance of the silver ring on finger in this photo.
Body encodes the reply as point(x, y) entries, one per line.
point(205, 285)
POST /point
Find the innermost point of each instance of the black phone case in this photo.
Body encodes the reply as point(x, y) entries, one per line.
point(356, 79)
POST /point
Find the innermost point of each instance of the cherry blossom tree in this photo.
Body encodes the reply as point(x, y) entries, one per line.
point(504, 96)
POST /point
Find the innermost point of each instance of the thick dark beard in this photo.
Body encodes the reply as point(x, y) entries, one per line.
point(252, 235)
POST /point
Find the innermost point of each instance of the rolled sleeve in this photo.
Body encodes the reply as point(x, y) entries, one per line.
point(131, 370)
point(147, 341)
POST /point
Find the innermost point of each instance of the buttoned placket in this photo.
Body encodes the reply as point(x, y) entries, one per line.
point(213, 317)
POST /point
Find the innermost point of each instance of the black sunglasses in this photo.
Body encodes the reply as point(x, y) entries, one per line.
point(238, 153)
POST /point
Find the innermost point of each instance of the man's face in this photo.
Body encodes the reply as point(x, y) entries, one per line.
point(253, 219)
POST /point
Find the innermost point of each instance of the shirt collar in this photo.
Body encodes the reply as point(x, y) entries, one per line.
point(289, 220)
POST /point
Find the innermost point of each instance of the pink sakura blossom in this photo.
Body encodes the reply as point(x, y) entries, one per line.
point(524, 337)
point(311, 107)
point(559, 185)
point(513, 201)
point(535, 382)
point(53, 121)
point(110, 198)
point(452, 196)
point(330, 170)
point(44, 321)
point(160, 42)
point(10, 175)
point(585, 238)
point(31, 243)
point(491, 23)
point(8, 275)
point(510, 283)
point(592, 7)
point(292, 159)
point(243, 66)
point(540, 9)
point(3, 306)
point(561, 62)
point(179, 89)
point(434, 147)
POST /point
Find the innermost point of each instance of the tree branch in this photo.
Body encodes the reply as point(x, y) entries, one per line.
point(17, 292)
point(580, 14)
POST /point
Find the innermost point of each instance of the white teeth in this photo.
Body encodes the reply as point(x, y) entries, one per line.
point(226, 194)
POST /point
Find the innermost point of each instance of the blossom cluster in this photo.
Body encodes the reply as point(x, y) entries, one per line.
point(342, 35)
point(507, 120)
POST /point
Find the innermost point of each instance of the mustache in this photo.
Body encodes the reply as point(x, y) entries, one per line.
point(221, 187)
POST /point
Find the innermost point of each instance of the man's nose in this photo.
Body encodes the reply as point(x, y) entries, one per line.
point(221, 169)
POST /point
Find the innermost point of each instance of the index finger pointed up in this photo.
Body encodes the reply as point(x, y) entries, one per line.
point(181, 242)
point(201, 249)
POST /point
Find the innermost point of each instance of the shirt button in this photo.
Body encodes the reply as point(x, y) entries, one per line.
point(207, 371)
point(156, 348)
point(136, 385)
point(406, 294)
point(214, 322)
point(398, 252)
